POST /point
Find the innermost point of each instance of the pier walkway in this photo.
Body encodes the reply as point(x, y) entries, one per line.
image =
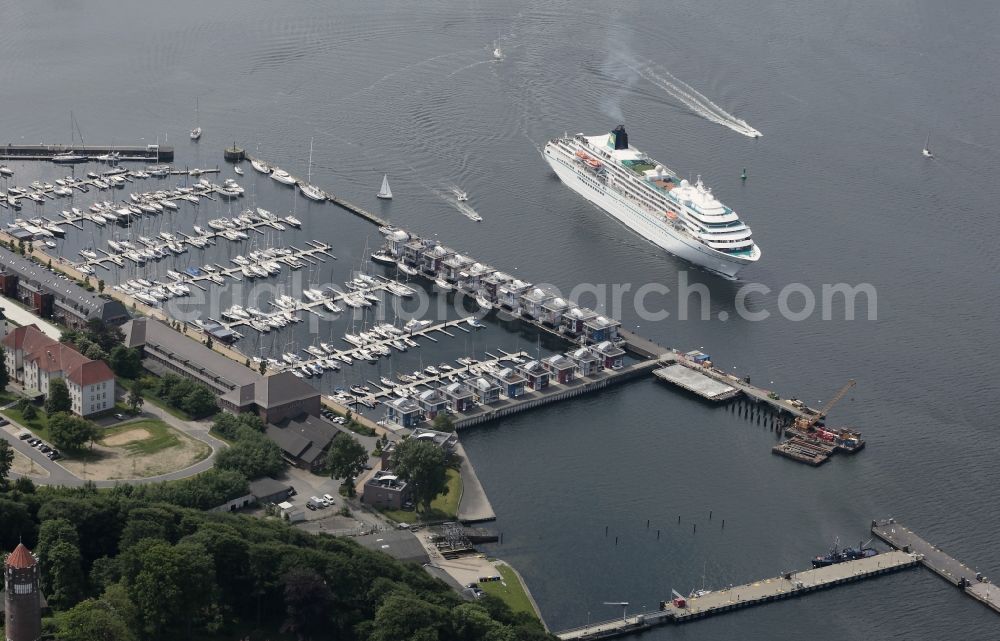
point(749, 594)
point(157, 153)
point(941, 563)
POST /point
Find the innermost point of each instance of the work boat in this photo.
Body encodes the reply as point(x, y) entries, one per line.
point(683, 218)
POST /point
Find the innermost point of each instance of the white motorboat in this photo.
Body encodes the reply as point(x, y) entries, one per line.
point(383, 257)
point(282, 176)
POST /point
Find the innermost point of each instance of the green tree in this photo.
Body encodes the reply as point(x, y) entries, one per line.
point(6, 460)
point(444, 423)
point(66, 580)
point(263, 367)
point(125, 361)
point(4, 374)
point(100, 286)
point(307, 604)
point(135, 399)
point(93, 620)
point(15, 524)
point(95, 352)
point(29, 411)
point(402, 617)
point(52, 532)
point(252, 457)
point(346, 459)
point(172, 587)
point(199, 403)
point(422, 464)
point(71, 432)
point(58, 399)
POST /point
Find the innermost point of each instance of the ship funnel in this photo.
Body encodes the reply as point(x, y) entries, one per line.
point(619, 138)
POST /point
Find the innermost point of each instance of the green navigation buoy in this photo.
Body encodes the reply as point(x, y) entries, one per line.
point(743, 176)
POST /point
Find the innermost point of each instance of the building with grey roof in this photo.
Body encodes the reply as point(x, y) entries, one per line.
point(51, 295)
point(304, 439)
point(274, 398)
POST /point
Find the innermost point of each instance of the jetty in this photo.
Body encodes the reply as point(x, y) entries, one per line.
point(336, 200)
point(793, 584)
point(144, 153)
point(970, 581)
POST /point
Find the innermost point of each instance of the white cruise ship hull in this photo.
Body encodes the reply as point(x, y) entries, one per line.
point(642, 222)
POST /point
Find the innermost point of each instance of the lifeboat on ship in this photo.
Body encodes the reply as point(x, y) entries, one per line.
point(671, 215)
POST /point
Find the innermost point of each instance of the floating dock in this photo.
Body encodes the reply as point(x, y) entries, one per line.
point(804, 451)
point(749, 594)
point(144, 153)
point(696, 383)
point(941, 563)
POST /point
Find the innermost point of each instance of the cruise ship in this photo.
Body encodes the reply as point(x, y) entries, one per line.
point(683, 218)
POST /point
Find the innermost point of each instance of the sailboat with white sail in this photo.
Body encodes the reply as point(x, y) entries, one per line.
point(384, 193)
point(927, 148)
point(308, 189)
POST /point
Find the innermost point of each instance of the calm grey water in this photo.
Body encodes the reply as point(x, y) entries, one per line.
point(844, 94)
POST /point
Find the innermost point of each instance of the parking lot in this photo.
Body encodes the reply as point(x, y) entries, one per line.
point(49, 451)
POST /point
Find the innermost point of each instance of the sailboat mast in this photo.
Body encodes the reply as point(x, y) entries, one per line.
point(310, 173)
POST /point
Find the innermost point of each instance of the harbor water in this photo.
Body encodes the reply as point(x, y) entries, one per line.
point(837, 192)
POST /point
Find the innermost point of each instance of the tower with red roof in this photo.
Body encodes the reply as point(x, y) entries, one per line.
point(22, 605)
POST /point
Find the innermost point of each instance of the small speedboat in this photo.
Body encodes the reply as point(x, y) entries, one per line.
point(463, 197)
point(238, 170)
point(443, 284)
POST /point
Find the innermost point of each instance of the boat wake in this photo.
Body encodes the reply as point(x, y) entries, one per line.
point(450, 196)
point(692, 98)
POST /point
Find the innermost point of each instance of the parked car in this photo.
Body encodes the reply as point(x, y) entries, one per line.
point(54, 455)
point(4, 421)
point(120, 416)
point(311, 506)
point(328, 499)
point(44, 449)
point(24, 436)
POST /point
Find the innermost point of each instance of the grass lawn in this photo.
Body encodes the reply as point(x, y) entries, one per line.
point(509, 590)
point(6, 396)
point(443, 508)
point(39, 425)
point(161, 436)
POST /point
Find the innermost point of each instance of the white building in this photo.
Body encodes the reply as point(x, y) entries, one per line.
point(35, 360)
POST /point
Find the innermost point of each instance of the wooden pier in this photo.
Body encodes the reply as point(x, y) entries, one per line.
point(145, 153)
point(749, 594)
point(941, 563)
